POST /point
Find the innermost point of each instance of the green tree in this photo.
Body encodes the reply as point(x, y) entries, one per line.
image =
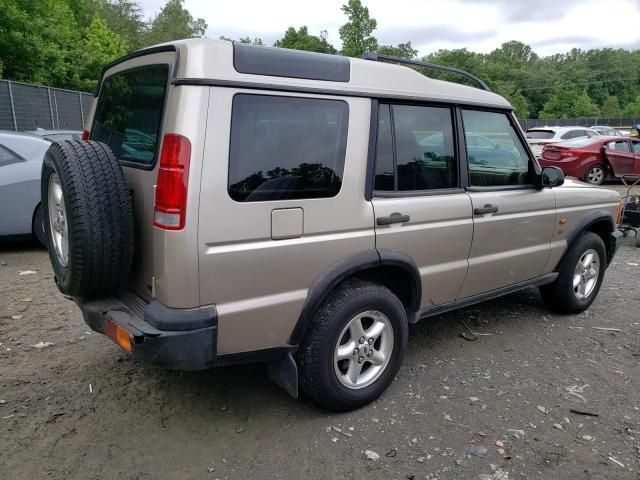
point(301, 40)
point(402, 50)
point(255, 41)
point(356, 34)
point(38, 42)
point(174, 22)
point(611, 107)
point(123, 17)
point(633, 108)
point(567, 102)
point(100, 46)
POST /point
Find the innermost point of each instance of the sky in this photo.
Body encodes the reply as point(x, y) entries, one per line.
point(548, 26)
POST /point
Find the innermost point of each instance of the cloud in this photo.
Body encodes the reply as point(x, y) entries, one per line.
point(527, 11)
point(430, 34)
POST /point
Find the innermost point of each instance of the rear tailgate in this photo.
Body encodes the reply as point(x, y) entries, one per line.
point(132, 111)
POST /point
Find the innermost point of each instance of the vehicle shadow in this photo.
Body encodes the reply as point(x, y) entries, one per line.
point(247, 392)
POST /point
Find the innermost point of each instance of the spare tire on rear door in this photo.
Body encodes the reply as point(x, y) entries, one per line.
point(88, 218)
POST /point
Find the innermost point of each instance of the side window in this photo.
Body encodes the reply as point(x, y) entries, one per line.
point(507, 162)
point(622, 146)
point(425, 155)
point(7, 156)
point(285, 148)
point(385, 174)
point(421, 155)
point(636, 147)
point(571, 134)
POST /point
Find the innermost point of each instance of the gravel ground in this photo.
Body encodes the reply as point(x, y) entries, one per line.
point(74, 406)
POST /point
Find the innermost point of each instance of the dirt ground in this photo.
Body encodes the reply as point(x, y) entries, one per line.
point(493, 409)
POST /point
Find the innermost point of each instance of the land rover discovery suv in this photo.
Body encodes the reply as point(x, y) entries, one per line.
point(232, 203)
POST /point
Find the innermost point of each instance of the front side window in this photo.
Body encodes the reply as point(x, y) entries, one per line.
point(7, 156)
point(421, 154)
point(636, 147)
point(128, 115)
point(506, 162)
point(285, 148)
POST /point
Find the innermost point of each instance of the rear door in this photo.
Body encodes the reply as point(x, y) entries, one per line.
point(421, 209)
point(513, 221)
point(620, 157)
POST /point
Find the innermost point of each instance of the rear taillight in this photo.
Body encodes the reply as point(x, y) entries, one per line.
point(85, 135)
point(173, 176)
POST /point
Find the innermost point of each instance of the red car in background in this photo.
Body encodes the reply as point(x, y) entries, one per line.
point(594, 159)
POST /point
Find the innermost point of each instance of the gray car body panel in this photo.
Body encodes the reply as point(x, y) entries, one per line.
point(20, 183)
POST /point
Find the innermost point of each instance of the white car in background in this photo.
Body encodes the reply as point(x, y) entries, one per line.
point(540, 136)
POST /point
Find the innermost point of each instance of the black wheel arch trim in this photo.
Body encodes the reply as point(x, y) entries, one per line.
point(348, 267)
point(590, 219)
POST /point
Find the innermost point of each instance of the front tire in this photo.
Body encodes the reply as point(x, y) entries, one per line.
point(595, 175)
point(580, 276)
point(355, 346)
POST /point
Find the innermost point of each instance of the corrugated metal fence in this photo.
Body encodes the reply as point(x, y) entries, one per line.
point(28, 107)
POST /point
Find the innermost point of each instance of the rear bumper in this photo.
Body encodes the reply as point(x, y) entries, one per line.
point(178, 339)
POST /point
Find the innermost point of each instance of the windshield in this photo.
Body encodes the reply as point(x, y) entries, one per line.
point(540, 134)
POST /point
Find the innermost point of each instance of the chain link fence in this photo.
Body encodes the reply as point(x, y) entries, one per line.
point(581, 122)
point(29, 107)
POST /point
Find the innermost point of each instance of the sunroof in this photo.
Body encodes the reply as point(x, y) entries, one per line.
point(282, 62)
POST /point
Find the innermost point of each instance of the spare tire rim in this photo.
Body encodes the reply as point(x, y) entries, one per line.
point(363, 350)
point(585, 276)
point(58, 220)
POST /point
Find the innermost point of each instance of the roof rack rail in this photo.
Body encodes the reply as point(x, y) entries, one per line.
point(377, 57)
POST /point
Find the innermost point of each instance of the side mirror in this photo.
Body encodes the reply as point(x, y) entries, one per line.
point(551, 177)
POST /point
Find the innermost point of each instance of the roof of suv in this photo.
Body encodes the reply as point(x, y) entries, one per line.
point(219, 62)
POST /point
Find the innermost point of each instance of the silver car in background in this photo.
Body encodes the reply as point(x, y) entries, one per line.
point(21, 157)
point(540, 136)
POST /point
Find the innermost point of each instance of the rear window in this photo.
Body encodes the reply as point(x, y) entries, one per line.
point(7, 157)
point(578, 142)
point(128, 115)
point(540, 134)
point(285, 148)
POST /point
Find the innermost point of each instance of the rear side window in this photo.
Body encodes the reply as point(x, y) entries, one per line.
point(636, 147)
point(128, 115)
point(285, 148)
point(622, 146)
point(7, 156)
point(540, 134)
point(415, 149)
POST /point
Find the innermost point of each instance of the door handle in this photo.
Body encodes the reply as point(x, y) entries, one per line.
point(393, 218)
point(488, 208)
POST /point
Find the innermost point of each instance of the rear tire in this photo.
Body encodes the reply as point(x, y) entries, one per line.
point(375, 361)
point(576, 287)
point(595, 174)
point(88, 218)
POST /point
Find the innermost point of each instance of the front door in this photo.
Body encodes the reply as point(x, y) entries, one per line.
point(420, 208)
point(620, 157)
point(512, 220)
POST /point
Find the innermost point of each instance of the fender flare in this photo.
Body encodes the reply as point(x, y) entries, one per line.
point(345, 268)
point(587, 221)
